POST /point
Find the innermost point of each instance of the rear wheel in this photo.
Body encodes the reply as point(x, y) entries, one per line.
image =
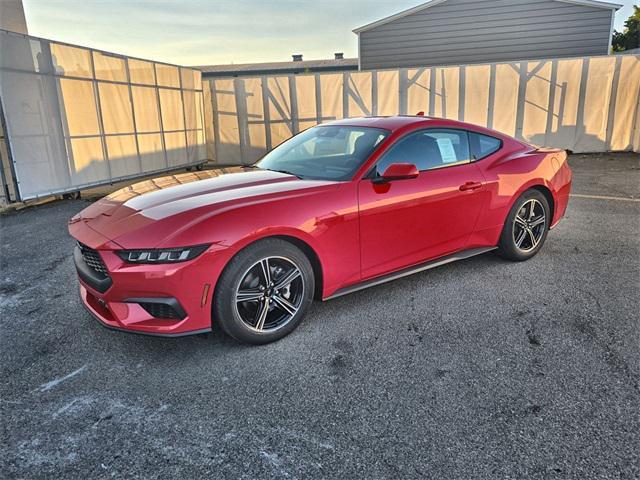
point(526, 227)
point(264, 292)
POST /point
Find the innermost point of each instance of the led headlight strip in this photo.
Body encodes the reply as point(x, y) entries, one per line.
point(162, 255)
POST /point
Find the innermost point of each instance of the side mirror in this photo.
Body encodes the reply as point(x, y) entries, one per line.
point(398, 171)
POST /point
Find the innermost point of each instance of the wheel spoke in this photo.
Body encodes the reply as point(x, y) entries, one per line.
point(285, 305)
point(532, 209)
point(521, 221)
point(538, 221)
point(249, 295)
point(534, 242)
point(520, 238)
point(263, 310)
point(290, 277)
point(266, 272)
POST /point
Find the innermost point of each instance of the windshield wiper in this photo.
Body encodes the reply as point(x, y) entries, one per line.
point(287, 172)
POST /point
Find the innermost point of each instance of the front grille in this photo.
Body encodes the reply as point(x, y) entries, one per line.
point(92, 258)
point(160, 310)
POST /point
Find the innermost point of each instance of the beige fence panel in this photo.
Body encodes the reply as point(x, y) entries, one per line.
point(387, 90)
point(536, 101)
point(417, 88)
point(359, 95)
point(7, 190)
point(209, 129)
point(227, 136)
point(636, 134)
point(307, 103)
point(503, 103)
point(254, 131)
point(331, 95)
point(78, 117)
point(476, 86)
point(592, 122)
point(583, 104)
point(624, 111)
point(446, 94)
point(279, 103)
point(564, 104)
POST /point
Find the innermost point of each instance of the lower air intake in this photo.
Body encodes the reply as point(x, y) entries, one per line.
point(168, 308)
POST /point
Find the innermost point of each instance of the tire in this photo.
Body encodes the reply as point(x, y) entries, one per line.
point(253, 310)
point(524, 235)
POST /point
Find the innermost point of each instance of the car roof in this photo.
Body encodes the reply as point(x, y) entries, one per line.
point(386, 123)
point(394, 123)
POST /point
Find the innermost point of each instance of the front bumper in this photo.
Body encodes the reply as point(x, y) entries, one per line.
point(105, 318)
point(124, 298)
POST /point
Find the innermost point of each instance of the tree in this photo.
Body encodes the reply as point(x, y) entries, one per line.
point(630, 37)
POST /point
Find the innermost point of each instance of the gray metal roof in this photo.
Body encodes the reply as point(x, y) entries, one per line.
point(247, 69)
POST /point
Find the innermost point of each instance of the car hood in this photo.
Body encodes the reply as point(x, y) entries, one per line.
point(169, 203)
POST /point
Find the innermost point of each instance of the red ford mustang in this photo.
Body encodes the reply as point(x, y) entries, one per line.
point(335, 209)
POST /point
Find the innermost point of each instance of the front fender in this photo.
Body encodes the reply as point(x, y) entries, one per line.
point(326, 222)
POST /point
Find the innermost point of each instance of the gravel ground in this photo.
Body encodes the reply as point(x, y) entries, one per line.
point(479, 369)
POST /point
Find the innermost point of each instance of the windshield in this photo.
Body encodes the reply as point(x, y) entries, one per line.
point(324, 152)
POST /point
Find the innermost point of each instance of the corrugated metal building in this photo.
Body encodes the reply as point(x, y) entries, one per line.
point(455, 32)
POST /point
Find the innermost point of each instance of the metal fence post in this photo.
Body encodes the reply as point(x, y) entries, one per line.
point(11, 159)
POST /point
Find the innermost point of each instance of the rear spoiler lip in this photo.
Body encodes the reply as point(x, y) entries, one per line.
point(546, 150)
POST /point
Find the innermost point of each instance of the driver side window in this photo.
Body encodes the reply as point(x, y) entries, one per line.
point(429, 149)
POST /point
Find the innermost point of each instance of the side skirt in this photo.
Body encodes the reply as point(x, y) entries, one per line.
point(454, 257)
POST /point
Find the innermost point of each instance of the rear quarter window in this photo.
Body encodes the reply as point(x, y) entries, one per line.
point(483, 145)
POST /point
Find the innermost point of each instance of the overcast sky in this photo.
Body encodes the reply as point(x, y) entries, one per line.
point(197, 32)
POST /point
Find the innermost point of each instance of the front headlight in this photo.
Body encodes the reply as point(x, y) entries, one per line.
point(162, 255)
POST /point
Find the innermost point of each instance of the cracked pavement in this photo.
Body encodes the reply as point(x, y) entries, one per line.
point(477, 369)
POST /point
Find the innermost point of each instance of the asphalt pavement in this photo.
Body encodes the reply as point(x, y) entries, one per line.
point(477, 369)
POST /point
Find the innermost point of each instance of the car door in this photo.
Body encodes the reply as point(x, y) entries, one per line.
point(406, 222)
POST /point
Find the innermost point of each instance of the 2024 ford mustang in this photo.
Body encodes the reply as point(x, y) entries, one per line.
point(337, 208)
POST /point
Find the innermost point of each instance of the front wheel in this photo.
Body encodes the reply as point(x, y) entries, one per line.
point(526, 227)
point(264, 292)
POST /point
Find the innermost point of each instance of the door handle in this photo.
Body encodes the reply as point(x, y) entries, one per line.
point(470, 186)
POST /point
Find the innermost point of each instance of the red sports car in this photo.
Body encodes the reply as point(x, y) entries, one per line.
point(335, 209)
